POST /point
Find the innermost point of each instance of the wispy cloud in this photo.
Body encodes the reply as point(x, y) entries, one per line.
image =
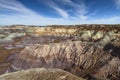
point(79, 8)
point(15, 5)
point(21, 14)
point(27, 16)
point(59, 10)
point(24, 15)
point(108, 20)
point(117, 2)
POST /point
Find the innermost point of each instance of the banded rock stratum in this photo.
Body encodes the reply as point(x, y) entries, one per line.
point(88, 51)
point(79, 58)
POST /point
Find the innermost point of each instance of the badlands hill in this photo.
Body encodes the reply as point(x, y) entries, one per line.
point(88, 51)
point(40, 74)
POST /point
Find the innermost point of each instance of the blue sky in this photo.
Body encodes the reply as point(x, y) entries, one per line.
point(59, 12)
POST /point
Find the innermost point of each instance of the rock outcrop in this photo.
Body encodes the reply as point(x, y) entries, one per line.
point(83, 59)
point(40, 74)
point(88, 51)
point(95, 33)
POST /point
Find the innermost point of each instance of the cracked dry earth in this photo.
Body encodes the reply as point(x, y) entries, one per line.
point(83, 52)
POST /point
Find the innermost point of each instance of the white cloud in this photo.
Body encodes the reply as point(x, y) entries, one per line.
point(117, 2)
point(24, 15)
point(60, 11)
point(27, 20)
point(15, 5)
point(27, 16)
point(79, 9)
point(108, 20)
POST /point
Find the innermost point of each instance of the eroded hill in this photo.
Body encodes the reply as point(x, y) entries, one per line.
point(40, 74)
point(88, 51)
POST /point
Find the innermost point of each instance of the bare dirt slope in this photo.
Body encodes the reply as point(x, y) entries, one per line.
point(40, 74)
point(88, 51)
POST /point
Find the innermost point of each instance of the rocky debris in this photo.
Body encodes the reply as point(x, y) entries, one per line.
point(80, 58)
point(40, 74)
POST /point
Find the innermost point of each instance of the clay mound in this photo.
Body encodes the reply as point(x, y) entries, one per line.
point(40, 74)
